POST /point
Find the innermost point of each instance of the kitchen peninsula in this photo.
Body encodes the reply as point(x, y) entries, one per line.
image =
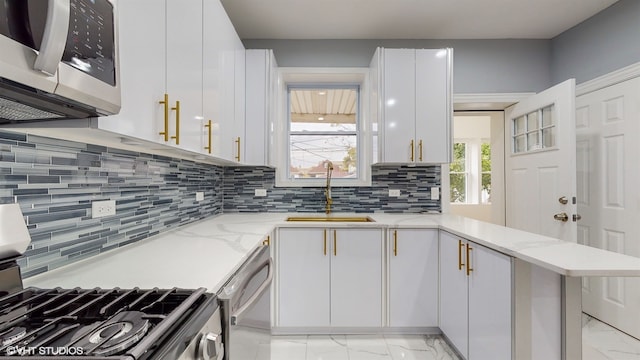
point(544, 274)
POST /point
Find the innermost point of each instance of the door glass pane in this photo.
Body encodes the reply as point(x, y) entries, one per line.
point(532, 121)
point(547, 116)
point(533, 141)
point(518, 126)
point(549, 137)
point(519, 144)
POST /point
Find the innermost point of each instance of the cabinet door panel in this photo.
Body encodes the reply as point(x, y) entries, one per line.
point(303, 278)
point(356, 278)
point(489, 305)
point(399, 104)
point(184, 70)
point(453, 293)
point(143, 67)
point(433, 113)
point(413, 278)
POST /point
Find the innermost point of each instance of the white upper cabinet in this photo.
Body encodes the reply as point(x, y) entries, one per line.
point(223, 83)
point(412, 105)
point(188, 50)
point(260, 80)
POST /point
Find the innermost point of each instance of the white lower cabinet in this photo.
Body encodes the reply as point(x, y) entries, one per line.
point(475, 299)
point(329, 277)
point(413, 278)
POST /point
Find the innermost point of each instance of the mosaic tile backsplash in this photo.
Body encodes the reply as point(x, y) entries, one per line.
point(414, 184)
point(55, 181)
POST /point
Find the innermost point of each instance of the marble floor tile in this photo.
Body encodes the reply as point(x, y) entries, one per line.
point(599, 342)
point(367, 347)
point(327, 347)
point(286, 347)
point(419, 348)
point(606, 340)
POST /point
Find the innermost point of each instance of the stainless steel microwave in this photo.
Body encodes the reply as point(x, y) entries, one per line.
point(58, 60)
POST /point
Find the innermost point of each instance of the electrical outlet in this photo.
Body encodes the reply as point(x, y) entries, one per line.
point(261, 192)
point(435, 193)
point(103, 208)
point(199, 195)
point(394, 192)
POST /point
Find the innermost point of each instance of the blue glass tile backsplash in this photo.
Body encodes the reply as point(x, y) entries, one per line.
point(414, 183)
point(55, 181)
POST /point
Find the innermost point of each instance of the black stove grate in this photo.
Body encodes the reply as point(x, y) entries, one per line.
point(91, 323)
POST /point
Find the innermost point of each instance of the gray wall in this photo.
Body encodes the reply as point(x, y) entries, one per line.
point(480, 66)
point(607, 41)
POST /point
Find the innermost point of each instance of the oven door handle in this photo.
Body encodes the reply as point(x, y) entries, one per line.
point(256, 295)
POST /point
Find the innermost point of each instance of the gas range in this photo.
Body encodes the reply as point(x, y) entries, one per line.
point(99, 324)
point(105, 323)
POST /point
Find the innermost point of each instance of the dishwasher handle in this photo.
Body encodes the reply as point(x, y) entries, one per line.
point(257, 294)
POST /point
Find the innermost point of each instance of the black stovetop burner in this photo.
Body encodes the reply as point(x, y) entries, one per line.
point(91, 324)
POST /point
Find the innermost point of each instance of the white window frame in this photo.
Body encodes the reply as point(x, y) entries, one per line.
point(280, 142)
point(472, 169)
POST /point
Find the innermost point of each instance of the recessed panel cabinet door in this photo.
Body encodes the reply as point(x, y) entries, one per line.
point(489, 304)
point(454, 292)
point(184, 72)
point(399, 105)
point(433, 106)
point(303, 277)
point(356, 278)
point(413, 278)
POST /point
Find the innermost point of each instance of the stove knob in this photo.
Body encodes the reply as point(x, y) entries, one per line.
point(210, 347)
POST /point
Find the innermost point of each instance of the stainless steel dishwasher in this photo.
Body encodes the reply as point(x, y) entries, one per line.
point(246, 308)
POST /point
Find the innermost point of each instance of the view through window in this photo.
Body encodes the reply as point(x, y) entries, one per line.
point(470, 170)
point(323, 126)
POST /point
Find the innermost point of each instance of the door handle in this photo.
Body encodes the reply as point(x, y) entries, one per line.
point(257, 294)
point(561, 217)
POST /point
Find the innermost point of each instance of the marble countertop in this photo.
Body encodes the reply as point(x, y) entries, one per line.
point(208, 252)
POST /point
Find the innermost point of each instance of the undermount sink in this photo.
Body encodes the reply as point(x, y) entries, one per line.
point(331, 218)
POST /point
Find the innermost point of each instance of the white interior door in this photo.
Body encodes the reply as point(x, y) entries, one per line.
point(608, 148)
point(540, 163)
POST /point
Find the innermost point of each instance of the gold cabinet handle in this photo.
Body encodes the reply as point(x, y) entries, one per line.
point(335, 244)
point(238, 143)
point(267, 241)
point(325, 242)
point(420, 146)
point(469, 268)
point(395, 242)
point(208, 147)
point(177, 110)
point(460, 246)
point(412, 156)
point(165, 102)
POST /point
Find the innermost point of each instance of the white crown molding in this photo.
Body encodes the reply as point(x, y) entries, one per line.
point(487, 101)
point(612, 78)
